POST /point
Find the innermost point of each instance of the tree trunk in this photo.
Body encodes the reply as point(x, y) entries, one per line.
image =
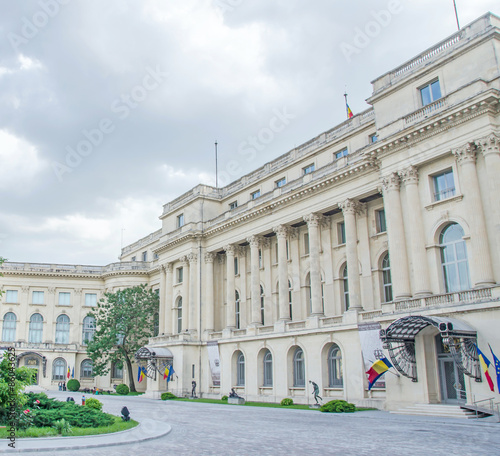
point(130, 374)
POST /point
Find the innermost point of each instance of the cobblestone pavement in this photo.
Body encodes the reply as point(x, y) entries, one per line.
point(220, 430)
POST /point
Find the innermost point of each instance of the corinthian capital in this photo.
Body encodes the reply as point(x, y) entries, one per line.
point(409, 175)
point(192, 258)
point(281, 231)
point(488, 145)
point(229, 249)
point(465, 154)
point(209, 257)
point(313, 219)
point(391, 182)
point(351, 206)
point(255, 241)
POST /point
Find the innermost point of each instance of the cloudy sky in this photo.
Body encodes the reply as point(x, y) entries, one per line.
point(109, 109)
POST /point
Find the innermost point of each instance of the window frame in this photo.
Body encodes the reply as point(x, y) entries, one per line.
point(341, 153)
point(299, 377)
point(341, 238)
point(89, 299)
point(85, 366)
point(9, 329)
point(335, 374)
point(40, 300)
point(67, 295)
point(428, 86)
point(240, 369)
point(88, 329)
point(446, 193)
point(385, 267)
point(8, 300)
point(308, 169)
point(254, 195)
point(63, 323)
point(280, 182)
point(180, 222)
point(61, 369)
point(35, 329)
point(267, 363)
point(233, 205)
point(381, 222)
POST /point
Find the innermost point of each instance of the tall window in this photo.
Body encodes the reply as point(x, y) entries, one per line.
point(299, 378)
point(444, 185)
point(36, 329)
point(11, 296)
point(335, 379)
point(91, 299)
point(341, 232)
point(268, 369)
point(240, 370)
point(454, 258)
point(237, 309)
point(180, 275)
point(180, 220)
point(116, 371)
point(179, 314)
point(381, 224)
point(88, 329)
point(260, 259)
point(64, 298)
point(62, 329)
point(86, 370)
point(345, 287)
point(430, 93)
point(290, 290)
point(156, 324)
point(262, 312)
point(386, 278)
point(9, 327)
point(236, 266)
point(145, 256)
point(306, 243)
point(38, 297)
point(59, 369)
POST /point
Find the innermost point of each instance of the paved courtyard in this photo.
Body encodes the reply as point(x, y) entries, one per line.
point(213, 429)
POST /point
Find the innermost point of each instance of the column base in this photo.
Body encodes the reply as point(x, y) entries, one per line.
point(488, 283)
point(351, 316)
point(312, 322)
point(422, 294)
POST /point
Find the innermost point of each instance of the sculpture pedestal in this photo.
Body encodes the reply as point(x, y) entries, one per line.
point(315, 406)
point(235, 400)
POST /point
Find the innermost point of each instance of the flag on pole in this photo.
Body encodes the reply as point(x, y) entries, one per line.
point(141, 374)
point(349, 112)
point(68, 374)
point(497, 367)
point(165, 374)
point(379, 367)
point(485, 363)
point(73, 372)
point(171, 372)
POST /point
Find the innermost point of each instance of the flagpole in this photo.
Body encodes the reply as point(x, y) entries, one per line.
point(346, 105)
point(456, 14)
point(216, 167)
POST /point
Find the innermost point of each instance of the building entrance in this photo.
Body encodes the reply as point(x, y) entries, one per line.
point(451, 379)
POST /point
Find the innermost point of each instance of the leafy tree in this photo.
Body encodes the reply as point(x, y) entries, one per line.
point(124, 323)
point(13, 380)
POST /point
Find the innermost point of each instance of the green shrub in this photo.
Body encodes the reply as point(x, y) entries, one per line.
point(224, 398)
point(62, 427)
point(122, 389)
point(41, 401)
point(75, 415)
point(287, 401)
point(73, 385)
point(338, 406)
point(93, 404)
point(168, 395)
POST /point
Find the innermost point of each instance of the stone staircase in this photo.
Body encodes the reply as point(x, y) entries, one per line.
point(448, 411)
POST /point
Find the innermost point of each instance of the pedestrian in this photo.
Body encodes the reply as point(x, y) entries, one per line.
point(60, 386)
point(64, 386)
point(83, 400)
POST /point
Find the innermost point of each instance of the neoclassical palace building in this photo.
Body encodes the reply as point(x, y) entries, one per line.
point(379, 237)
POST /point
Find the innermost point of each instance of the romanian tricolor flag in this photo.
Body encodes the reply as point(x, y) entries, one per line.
point(485, 363)
point(349, 112)
point(172, 372)
point(69, 373)
point(141, 374)
point(379, 367)
point(165, 374)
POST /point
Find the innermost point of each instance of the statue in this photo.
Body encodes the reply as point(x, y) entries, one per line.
point(193, 390)
point(315, 392)
point(125, 414)
point(234, 394)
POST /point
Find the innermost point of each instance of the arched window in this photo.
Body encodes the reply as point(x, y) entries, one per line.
point(299, 378)
point(454, 258)
point(36, 329)
point(335, 379)
point(116, 372)
point(262, 313)
point(237, 309)
point(86, 369)
point(345, 287)
point(268, 369)
point(59, 369)
point(9, 327)
point(290, 299)
point(240, 370)
point(62, 329)
point(156, 324)
point(179, 314)
point(88, 329)
point(386, 278)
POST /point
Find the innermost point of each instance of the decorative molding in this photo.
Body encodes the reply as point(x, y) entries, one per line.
point(488, 145)
point(281, 231)
point(25, 289)
point(192, 258)
point(313, 219)
point(78, 291)
point(209, 257)
point(255, 241)
point(351, 206)
point(52, 290)
point(229, 249)
point(409, 176)
point(466, 153)
point(391, 182)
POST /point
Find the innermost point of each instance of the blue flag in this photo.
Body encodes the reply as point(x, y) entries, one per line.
point(73, 372)
point(497, 367)
point(170, 372)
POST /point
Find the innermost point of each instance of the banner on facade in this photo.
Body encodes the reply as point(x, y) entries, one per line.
point(371, 346)
point(214, 360)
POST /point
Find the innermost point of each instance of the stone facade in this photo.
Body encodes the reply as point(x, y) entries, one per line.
point(404, 228)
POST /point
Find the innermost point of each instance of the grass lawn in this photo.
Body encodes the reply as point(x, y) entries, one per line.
point(119, 425)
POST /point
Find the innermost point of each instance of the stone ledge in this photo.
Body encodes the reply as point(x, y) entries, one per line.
point(235, 400)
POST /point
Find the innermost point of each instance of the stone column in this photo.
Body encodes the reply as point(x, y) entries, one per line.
point(350, 208)
point(284, 305)
point(255, 242)
point(169, 284)
point(185, 294)
point(481, 270)
point(490, 147)
point(162, 310)
point(313, 221)
point(192, 321)
point(396, 235)
point(421, 283)
point(209, 292)
point(230, 294)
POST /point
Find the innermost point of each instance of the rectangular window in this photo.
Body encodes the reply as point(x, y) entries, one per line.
point(341, 153)
point(64, 299)
point(381, 225)
point(180, 275)
point(91, 299)
point(373, 138)
point(144, 256)
point(308, 169)
point(233, 205)
point(444, 185)
point(180, 220)
point(287, 250)
point(11, 296)
point(38, 297)
point(260, 259)
point(306, 243)
point(236, 268)
point(341, 232)
point(430, 93)
point(133, 258)
point(156, 256)
point(255, 194)
point(279, 183)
